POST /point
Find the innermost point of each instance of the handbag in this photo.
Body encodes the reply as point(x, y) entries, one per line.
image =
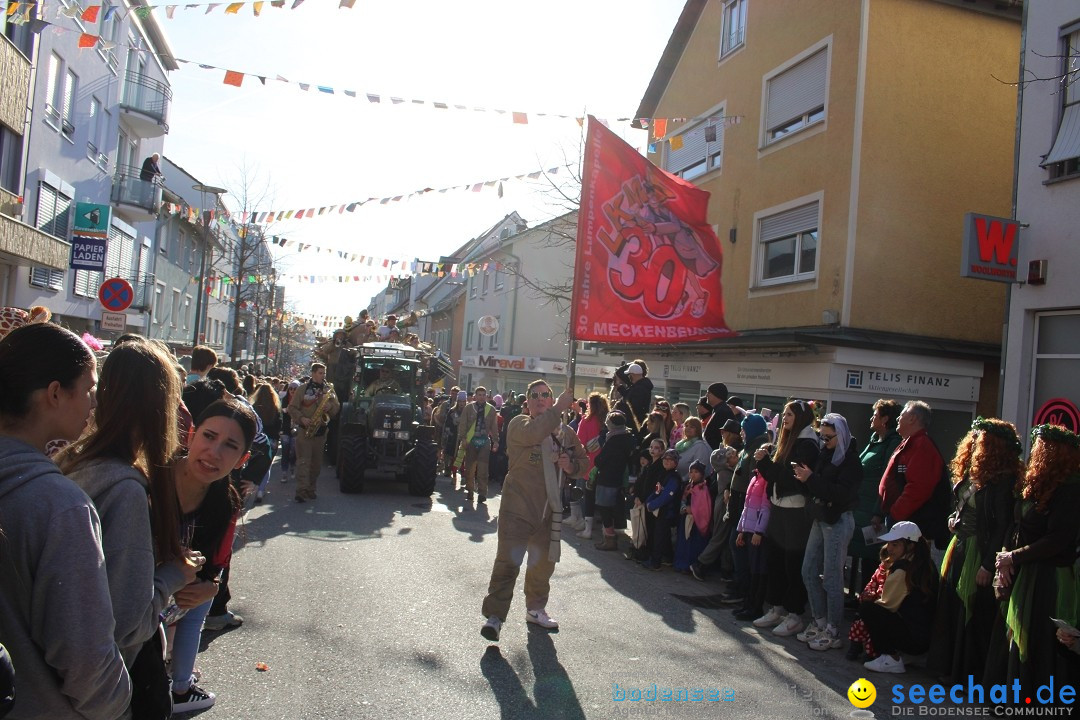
point(479, 442)
point(151, 689)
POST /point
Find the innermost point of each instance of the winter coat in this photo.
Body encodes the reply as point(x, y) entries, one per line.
point(783, 485)
point(612, 462)
point(833, 488)
point(666, 498)
point(756, 508)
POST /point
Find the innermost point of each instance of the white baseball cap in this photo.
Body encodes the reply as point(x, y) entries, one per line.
point(903, 530)
point(635, 369)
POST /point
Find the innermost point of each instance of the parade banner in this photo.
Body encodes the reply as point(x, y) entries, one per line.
point(648, 263)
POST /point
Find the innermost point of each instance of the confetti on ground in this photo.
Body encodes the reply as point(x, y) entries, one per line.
point(261, 666)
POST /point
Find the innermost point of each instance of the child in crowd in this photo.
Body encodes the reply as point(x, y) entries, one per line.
point(664, 504)
point(859, 635)
point(695, 515)
point(751, 531)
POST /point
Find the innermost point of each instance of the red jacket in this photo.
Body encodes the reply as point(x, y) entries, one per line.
point(918, 461)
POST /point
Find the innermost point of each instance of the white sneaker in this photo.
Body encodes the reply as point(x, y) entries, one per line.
point(885, 664)
point(827, 639)
point(812, 631)
point(540, 617)
point(789, 626)
point(491, 627)
point(769, 619)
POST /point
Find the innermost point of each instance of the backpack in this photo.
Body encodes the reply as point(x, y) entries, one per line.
point(151, 688)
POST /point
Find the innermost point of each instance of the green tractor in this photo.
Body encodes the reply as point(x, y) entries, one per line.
point(381, 427)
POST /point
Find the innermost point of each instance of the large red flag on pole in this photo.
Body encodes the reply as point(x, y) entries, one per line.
point(648, 263)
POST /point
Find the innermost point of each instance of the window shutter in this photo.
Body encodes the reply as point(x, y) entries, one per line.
point(797, 90)
point(789, 222)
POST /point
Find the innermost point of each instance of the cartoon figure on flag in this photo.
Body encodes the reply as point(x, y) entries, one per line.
point(649, 264)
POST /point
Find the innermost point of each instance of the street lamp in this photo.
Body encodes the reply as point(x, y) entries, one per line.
point(199, 300)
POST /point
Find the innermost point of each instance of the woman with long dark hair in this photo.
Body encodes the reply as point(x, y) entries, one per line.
point(120, 464)
point(267, 406)
point(789, 522)
point(56, 616)
point(592, 432)
point(209, 508)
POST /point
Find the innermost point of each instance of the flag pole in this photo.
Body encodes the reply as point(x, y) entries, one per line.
point(571, 360)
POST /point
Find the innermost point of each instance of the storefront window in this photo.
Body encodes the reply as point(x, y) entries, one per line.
point(1057, 368)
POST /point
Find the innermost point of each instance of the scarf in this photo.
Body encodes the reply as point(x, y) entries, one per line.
point(549, 451)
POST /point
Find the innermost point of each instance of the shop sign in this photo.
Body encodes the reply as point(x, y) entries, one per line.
point(1059, 411)
point(991, 248)
point(520, 363)
point(904, 383)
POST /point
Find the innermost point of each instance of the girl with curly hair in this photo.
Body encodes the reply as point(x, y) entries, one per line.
point(1037, 569)
point(985, 470)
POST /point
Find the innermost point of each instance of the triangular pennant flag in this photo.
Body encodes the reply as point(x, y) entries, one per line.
point(90, 14)
point(521, 118)
point(373, 98)
point(70, 11)
point(210, 7)
point(233, 8)
point(659, 128)
point(12, 8)
point(346, 3)
point(304, 86)
point(327, 90)
point(710, 133)
point(144, 12)
point(234, 78)
point(296, 4)
point(676, 142)
point(170, 10)
point(86, 40)
point(257, 7)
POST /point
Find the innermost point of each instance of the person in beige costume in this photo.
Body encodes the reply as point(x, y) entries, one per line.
point(541, 452)
point(309, 450)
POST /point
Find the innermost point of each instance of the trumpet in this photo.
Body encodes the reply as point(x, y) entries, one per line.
point(321, 418)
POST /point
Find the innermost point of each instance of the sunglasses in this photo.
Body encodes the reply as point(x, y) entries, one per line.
point(537, 395)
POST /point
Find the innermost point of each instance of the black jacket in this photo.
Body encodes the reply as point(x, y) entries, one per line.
point(636, 397)
point(714, 427)
point(834, 488)
point(612, 462)
point(780, 475)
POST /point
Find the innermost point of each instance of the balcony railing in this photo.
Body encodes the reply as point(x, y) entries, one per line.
point(149, 97)
point(129, 189)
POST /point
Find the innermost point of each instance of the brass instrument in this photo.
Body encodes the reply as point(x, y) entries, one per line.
point(321, 418)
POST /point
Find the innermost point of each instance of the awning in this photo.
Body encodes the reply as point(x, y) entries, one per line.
point(1067, 143)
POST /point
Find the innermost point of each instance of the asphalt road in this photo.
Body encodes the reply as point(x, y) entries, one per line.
point(368, 606)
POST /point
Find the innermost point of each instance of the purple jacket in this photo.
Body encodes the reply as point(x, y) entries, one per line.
point(755, 514)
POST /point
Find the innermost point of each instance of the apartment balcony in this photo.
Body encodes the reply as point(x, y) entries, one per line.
point(136, 199)
point(14, 85)
point(21, 244)
point(145, 105)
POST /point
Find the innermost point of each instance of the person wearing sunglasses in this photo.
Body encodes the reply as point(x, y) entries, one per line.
point(833, 484)
point(543, 455)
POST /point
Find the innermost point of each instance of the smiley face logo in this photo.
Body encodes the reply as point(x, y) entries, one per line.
point(862, 693)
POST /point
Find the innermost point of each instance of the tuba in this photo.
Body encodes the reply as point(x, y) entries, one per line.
point(321, 418)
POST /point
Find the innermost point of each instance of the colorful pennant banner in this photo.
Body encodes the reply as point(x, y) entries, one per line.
point(90, 13)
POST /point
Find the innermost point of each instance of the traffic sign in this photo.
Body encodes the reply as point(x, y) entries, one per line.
point(114, 322)
point(116, 294)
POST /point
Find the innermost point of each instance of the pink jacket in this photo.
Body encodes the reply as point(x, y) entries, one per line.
point(698, 500)
point(755, 514)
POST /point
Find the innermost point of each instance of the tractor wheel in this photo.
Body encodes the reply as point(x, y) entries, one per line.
point(351, 464)
point(422, 469)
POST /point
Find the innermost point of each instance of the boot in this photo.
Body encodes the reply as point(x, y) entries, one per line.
point(587, 532)
point(575, 521)
point(608, 542)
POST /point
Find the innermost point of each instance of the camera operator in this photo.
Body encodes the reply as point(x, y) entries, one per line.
point(631, 393)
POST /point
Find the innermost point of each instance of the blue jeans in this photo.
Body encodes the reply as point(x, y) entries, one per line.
point(823, 567)
point(185, 646)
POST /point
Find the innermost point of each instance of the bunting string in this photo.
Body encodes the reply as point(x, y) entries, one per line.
point(236, 78)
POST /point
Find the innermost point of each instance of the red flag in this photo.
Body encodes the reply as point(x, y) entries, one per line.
point(234, 78)
point(648, 263)
point(86, 40)
point(90, 14)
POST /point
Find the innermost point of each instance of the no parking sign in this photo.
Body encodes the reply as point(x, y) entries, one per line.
point(116, 294)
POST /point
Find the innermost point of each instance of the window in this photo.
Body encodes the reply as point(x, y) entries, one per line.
point(493, 341)
point(701, 149)
point(54, 97)
point(487, 277)
point(1063, 160)
point(187, 311)
point(92, 134)
point(470, 327)
point(796, 97)
point(110, 32)
point(11, 151)
point(54, 218)
point(472, 286)
point(159, 303)
point(788, 244)
point(734, 32)
point(498, 278)
point(67, 120)
point(175, 307)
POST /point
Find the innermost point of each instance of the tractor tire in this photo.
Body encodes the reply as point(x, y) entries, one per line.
point(422, 469)
point(351, 464)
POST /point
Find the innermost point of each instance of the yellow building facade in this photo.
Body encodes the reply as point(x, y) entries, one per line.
point(843, 141)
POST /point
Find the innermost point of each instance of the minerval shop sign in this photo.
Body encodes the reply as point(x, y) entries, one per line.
point(513, 362)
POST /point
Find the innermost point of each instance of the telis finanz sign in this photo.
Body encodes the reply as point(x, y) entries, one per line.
point(991, 248)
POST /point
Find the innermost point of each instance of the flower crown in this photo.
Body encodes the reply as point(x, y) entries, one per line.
point(1001, 430)
point(1055, 433)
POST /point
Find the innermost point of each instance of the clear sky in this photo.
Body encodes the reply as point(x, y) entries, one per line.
point(310, 149)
